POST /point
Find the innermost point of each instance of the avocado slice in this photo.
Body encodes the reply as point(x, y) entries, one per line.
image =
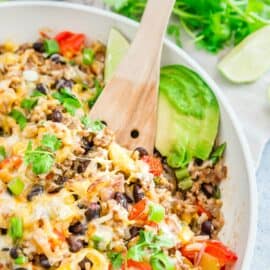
point(188, 116)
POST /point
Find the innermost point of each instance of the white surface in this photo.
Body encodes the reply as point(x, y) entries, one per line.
point(240, 202)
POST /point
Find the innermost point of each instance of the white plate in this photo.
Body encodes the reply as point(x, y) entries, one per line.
point(20, 21)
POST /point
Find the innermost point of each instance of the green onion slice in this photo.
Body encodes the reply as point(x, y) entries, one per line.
point(16, 186)
point(156, 212)
point(16, 228)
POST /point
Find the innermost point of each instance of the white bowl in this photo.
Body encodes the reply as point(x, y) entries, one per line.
point(21, 21)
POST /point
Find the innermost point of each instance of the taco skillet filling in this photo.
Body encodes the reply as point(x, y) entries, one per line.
point(70, 196)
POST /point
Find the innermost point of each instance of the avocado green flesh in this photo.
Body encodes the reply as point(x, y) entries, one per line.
point(188, 114)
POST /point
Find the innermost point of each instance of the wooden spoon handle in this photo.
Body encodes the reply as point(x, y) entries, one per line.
point(145, 51)
point(128, 103)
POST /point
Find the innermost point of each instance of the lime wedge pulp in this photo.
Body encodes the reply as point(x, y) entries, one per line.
point(116, 48)
point(249, 59)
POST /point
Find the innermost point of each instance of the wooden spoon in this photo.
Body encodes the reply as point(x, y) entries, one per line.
point(128, 103)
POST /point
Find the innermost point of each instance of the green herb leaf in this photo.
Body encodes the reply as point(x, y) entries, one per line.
point(160, 261)
point(68, 100)
point(19, 118)
point(29, 104)
point(51, 141)
point(116, 260)
point(217, 154)
point(40, 159)
point(95, 126)
point(94, 98)
point(3, 153)
point(37, 93)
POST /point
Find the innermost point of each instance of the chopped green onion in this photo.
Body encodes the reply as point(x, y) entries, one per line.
point(217, 154)
point(51, 46)
point(88, 56)
point(16, 186)
point(16, 228)
point(160, 261)
point(182, 173)
point(20, 260)
point(3, 153)
point(19, 118)
point(156, 212)
point(185, 184)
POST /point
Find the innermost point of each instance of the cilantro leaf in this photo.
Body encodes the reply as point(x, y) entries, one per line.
point(51, 142)
point(68, 100)
point(29, 104)
point(94, 98)
point(3, 153)
point(95, 126)
point(116, 260)
point(19, 118)
point(40, 160)
point(37, 93)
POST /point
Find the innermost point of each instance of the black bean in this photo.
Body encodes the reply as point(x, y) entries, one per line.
point(61, 180)
point(87, 144)
point(63, 83)
point(35, 191)
point(5, 249)
point(13, 253)
point(206, 227)
point(20, 268)
point(121, 199)
point(57, 59)
point(142, 152)
point(54, 189)
point(74, 243)
point(137, 193)
point(208, 190)
point(3, 231)
point(42, 89)
point(129, 200)
point(134, 231)
point(83, 263)
point(198, 161)
point(55, 116)
point(77, 228)
point(38, 47)
point(44, 262)
point(93, 211)
point(2, 131)
point(80, 165)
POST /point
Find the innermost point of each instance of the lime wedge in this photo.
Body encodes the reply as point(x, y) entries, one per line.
point(116, 48)
point(249, 59)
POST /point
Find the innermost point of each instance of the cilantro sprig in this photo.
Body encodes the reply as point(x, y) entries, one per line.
point(19, 117)
point(42, 158)
point(213, 24)
point(116, 260)
point(68, 100)
point(94, 126)
point(148, 241)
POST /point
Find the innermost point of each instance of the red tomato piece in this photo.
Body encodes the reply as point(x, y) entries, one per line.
point(155, 165)
point(70, 43)
point(202, 210)
point(133, 265)
point(224, 255)
point(138, 211)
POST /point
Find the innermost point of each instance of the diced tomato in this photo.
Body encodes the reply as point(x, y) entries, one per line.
point(70, 43)
point(155, 165)
point(190, 254)
point(133, 265)
point(224, 255)
point(138, 211)
point(201, 210)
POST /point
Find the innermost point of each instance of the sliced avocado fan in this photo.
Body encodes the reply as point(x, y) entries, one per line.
point(188, 116)
point(188, 111)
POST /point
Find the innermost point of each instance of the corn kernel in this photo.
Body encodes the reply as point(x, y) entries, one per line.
point(19, 148)
point(10, 46)
point(186, 234)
